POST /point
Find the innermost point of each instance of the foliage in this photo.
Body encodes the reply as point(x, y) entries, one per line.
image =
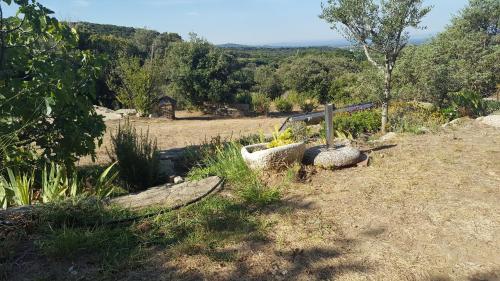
point(308, 105)
point(137, 155)
point(53, 187)
point(414, 117)
point(380, 28)
point(47, 89)
point(466, 104)
point(227, 163)
point(261, 103)
point(267, 81)
point(283, 104)
point(201, 73)
point(358, 122)
point(18, 188)
point(244, 97)
point(462, 58)
point(136, 84)
point(281, 138)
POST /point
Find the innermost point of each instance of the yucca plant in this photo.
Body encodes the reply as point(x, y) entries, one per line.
point(19, 187)
point(53, 185)
point(104, 186)
point(5, 193)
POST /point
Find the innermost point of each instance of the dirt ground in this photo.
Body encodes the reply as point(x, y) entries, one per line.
point(427, 208)
point(190, 129)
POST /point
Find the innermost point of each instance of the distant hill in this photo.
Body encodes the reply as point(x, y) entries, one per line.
point(340, 43)
point(104, 29)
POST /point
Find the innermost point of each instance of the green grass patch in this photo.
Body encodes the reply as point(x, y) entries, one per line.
point(227, 163)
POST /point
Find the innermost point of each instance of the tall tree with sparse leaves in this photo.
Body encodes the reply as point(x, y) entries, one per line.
point(380, 28)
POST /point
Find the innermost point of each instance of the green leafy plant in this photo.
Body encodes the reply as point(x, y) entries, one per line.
point(308, 105)
point(138, 157)
point(261, 103)
point(17, 187)
point(54, 183)
point(358, 122)
point(414, 118)
point(104, 186)
point(283, 105)
point(466, 103)
point(281, 138)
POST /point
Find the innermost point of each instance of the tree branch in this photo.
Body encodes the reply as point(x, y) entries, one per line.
point(370, 59)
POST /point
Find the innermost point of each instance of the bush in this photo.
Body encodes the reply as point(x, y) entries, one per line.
point(308, 105)
point(413, 117)
point(244, 98)
point(358, 122)
point(283, 105)
point(293, 96)
point(466, 104)
point(138, 158)
point(260, 103)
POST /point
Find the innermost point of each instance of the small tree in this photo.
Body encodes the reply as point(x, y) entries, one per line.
point(380, 29)
point(136, 84)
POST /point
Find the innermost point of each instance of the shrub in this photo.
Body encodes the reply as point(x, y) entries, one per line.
point(466, 104)
point(283, 105)
point(244, 98)
point(260, 103)
point(308, 105)
point(492, 106)
point(138, 157)
point(293, 96)
point(358, 122)
point(413, 117)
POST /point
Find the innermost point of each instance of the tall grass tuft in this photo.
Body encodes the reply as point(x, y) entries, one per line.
point(227, 163)
point(18, 187)
point(138, 157)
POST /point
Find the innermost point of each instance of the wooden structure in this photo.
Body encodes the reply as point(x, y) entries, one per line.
point(165, 107)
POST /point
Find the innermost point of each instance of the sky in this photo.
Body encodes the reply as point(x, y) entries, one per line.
point(252, 22)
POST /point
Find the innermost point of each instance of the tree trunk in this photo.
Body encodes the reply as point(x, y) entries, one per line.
point(386, 98)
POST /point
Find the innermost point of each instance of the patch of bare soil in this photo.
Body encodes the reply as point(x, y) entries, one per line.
point(426, 209)
point(190, 129)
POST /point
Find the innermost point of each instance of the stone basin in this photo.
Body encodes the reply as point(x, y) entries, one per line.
point(259, 157)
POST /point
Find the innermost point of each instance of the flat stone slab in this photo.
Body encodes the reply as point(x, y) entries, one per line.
point(329, 158)
point(169, 196)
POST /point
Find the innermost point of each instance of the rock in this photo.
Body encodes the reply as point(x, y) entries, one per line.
point(492, 120)
point(259, 157)
point(178, 180)
point(107, 113)
point(456, 122)
point(126, 112)
point(168, 196)
point(388, 137)
point(329, 158)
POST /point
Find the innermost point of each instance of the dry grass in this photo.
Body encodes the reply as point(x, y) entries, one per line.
point(191, 128)
point(426, 209)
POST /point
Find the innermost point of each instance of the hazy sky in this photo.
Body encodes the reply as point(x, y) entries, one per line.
point(228, 21)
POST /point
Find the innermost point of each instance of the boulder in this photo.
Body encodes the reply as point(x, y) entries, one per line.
point(492, 120)
point(330, 158)
point(126, 112)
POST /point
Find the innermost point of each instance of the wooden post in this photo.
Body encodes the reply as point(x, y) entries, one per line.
point(329, 125)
